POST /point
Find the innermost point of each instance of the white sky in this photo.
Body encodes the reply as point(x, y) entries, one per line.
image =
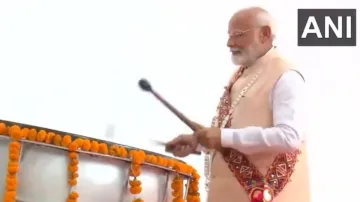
point(74, 66)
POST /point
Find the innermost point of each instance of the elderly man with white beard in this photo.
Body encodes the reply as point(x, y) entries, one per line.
point(256, 143)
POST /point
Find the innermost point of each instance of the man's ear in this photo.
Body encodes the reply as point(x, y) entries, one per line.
point(265, 33)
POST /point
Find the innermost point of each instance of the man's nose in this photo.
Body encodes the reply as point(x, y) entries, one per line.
point(230, 43)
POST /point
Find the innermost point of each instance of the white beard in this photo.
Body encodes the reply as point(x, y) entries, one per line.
point(247, 56)
point(239, 59)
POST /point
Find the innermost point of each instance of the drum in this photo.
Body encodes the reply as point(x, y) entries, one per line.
point(42, 165)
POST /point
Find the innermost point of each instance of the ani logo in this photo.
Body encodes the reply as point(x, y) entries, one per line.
point(326, 27)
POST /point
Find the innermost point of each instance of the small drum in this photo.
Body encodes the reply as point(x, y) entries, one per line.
point(58, 167)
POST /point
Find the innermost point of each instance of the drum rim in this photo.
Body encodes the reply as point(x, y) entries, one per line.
point(73, 135)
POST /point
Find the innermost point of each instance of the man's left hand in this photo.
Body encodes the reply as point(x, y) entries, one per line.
point(210, 138)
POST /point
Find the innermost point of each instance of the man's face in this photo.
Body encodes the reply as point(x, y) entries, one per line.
point(243, 41)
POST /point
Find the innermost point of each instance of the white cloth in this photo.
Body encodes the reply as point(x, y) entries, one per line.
point(288, 105)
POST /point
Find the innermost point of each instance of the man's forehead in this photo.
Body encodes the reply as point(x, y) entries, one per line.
point(240, 21)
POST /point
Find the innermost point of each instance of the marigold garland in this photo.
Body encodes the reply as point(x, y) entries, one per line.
point(118, 151)
point(177, 186)
point(3, 129)
point(193, 193)
point(73, 168)
point(137, 158)
point(73, 173)
point(13, 162)
point(73, 196)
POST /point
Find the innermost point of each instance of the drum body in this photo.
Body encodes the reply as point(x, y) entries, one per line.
point(43, 176)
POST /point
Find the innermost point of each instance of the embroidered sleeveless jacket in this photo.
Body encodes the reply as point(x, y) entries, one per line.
point(280, 177)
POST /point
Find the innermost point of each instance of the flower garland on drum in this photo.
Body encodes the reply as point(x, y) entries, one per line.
point(178, 188)
point(193, 194)
point(13, 161)
point(137, 157)
point(73, 165)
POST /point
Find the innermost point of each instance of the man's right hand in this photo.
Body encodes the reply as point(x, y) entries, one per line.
point(182, 145)
point(197, 126)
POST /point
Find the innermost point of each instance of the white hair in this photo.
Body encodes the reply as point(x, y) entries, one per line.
point(265, 19)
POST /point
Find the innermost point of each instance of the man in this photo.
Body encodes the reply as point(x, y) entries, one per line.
point(254, 144)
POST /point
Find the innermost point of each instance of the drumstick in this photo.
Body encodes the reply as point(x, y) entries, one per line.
point(146, 86)
point(158, 142)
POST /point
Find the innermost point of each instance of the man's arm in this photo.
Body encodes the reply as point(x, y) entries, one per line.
point(288, 105)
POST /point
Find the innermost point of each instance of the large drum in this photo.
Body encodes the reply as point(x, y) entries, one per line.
point(44, 165)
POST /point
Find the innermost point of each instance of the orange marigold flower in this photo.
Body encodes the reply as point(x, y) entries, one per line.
point(13, 150)
point(57, 140)
point(113, 149)
point(32, 134)
point(137, 156)
point(10, 187)
point(180, 167)
point(122, 152)
point(177, 193)
point(13, 169)
point(74, 162)
point(73, 195)
point(14, 145)
point(73, 146)
point(10, 195)
point(86, 146)
point(135, 190)
point(79, 142)
point(178, 199)
point(41, 136)
point(25, 132)
point(194, 187)
point(49, 138)
point(14, 157)
point(151, 159)
point(170, 163)
point(72, 182)
point(74, 175)
point(3, 129)
point(13, 127)
point(66, 140)
point(162, 161)
point(13, 163)
point(11, 181)
point(15, 132)
point(137, 160)
point(195, 175)
point(142, 154)
point(134, 183)
point(176, 186)
point(193, 198)
point(73, 155)
point(134, 172)
point(135, 166)
point(94, 146)
point(147, 158)
point(103, 149)
point(72, 168)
